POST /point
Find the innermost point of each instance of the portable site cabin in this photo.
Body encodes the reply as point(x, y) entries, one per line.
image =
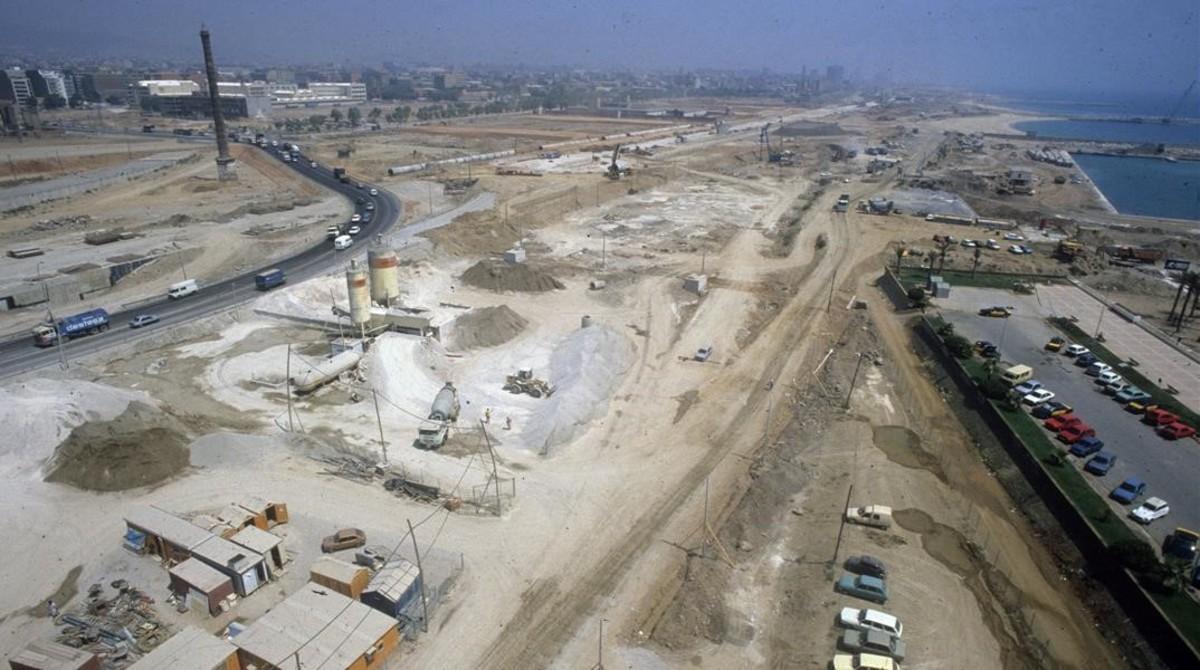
point(151, 530)
point(266, 513)
point(247, 569)
point(46, 655)
point(395, 589)
point(191, 649)
point(199, 582)
point(262, 543)
point(318, 628)
point(345, 578)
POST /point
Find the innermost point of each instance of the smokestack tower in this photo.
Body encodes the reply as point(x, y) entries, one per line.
point(224, 160)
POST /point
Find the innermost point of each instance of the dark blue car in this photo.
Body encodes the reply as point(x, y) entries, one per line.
point(1087, 446)
point(1049, 409)
point(1128, 490)
point(1101, 463)
point(1084, 360)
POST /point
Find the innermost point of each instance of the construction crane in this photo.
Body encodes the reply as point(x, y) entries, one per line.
point(1179, 105)
point(615, 171)
point(764, 142)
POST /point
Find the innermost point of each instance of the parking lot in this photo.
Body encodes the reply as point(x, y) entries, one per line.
point(1169, 468)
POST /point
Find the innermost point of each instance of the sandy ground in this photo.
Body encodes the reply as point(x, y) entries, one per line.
point(610, 475)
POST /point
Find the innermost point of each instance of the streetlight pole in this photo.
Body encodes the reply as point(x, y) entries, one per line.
point(854, 379)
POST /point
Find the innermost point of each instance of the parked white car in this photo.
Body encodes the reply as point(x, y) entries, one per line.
point(1014, 237)
point(1153, 509)
point(1038, 397)
point(1074, 350)
point(1108, 377)
point(869, 619)
point(1097, 368)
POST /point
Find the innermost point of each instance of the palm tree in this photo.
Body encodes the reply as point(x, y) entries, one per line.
point(942, 246)
point(975, 264)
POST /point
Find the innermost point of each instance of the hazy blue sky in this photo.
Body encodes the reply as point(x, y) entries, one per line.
point(1078, 45)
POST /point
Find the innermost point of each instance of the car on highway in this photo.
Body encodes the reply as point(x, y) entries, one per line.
point(1159, 417)
point(1101, 463)
point(872, 642)
point(1038, 397)
point(1176, 431)
point(1074, 433)
point(370, 206)
point(1056, 343)
point(356, 218)
point(1074, 350)
point(358, 185)
point(342, 242)
point(1128, 490)
point(374, 191)
point(1151, 510)
point(1084, 360)
point(1098, 368)
point(996, 311)
point(143, 320)
point(1085, 446)
point(862, 662)
point(354, 230)
point(862, 586)
point(1057, 423)
point(866, 565)
point(1049, 409)
point(1107, 377)
point(346, 538)
point(1025, 388)
point(313, 165)
point(869, 619)
point(1132, 394)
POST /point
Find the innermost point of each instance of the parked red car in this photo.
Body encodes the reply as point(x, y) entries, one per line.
point(1076, 432)
point(1057, 423)
point(1176, 431)
point(1159, 417)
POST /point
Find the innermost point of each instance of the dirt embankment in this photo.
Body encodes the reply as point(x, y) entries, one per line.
point(495, 275)
point(140, 447)
point(485, 327)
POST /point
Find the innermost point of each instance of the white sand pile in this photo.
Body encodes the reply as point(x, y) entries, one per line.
point(38, 415)
point(585, 367)
point(408, 371)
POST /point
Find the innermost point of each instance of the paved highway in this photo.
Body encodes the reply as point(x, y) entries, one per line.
point(22, 355)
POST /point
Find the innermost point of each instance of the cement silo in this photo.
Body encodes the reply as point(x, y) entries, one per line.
point(360, 299)
point(385, 273)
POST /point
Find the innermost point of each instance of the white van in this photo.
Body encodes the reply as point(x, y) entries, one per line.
point(342, 242)
point(182, 289)
point(1017, 374)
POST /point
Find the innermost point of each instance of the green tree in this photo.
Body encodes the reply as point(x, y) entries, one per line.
point(335, 115)
point(354, 116)
point(959, 346)
point(374, 114)
point(916, 295)
point(316, 122)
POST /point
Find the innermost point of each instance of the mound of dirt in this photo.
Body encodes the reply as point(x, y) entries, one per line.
point(139, 447)
point(496, 275)
point(485, 327)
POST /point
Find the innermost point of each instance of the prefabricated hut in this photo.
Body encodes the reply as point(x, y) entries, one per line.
point(346, 578)
point(199, 582)
point(191, 649)
point(46, 655)
point(394, 589)
point(318, 628)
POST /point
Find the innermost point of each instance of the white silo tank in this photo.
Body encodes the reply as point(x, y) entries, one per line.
point(360, 298)
point(385, 273)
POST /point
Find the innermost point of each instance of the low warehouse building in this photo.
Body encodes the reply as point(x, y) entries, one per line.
point(191, 649)
point(197, 582)
point(317, 628)
point(345, 578)
point(247, 569)
point(395, 589)
point(163, 534)
point(45, 655)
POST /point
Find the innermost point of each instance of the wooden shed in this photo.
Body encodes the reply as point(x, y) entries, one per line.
point(191, 649)
point(335, 574)
point(265, 513)
point(199, 582)
point(262, 543)
point(46, 655)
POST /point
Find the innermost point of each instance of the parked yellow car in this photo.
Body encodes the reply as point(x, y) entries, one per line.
point(1055, 344)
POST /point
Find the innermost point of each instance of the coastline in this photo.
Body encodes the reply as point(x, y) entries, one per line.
point(1096, 190)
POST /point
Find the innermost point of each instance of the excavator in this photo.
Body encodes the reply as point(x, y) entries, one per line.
point(615, 171)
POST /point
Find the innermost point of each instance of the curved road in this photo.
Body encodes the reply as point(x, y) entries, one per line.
point(22, 355)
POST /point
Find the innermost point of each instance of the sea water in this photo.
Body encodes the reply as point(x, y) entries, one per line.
point(1150, 132)
point(1146, 186)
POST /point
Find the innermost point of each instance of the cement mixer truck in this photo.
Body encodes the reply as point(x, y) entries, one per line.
point(432, 432)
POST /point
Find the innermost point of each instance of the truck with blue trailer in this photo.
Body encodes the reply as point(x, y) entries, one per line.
point(269, 279)
point(76, 325)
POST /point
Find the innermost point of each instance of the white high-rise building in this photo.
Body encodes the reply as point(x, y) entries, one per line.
point(20, 88)
point(55, 83)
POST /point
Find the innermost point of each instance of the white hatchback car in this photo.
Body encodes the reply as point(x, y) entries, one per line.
point(1075, 350)
point(869, 619)
point(1151, 510)
point(1038, 397)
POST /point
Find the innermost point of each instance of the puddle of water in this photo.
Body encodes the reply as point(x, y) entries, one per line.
point(946, 545)
point(903, 447)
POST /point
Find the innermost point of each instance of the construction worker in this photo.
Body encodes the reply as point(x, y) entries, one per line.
point(52, 608)
point(508, 423)
point(487, 415)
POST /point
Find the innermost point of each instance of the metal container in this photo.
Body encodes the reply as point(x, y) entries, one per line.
point(445, 405)
point(585, 321)
point(385, 273)
point(360, 299)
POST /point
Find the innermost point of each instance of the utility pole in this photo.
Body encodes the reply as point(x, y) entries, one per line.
point(58, 337)
point(287, 383)
point(421, 574)
point(495, 474)
point(854, 379)
point(600, 649)
point(378, 420)
point(1099, 321)
point(832, 283)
